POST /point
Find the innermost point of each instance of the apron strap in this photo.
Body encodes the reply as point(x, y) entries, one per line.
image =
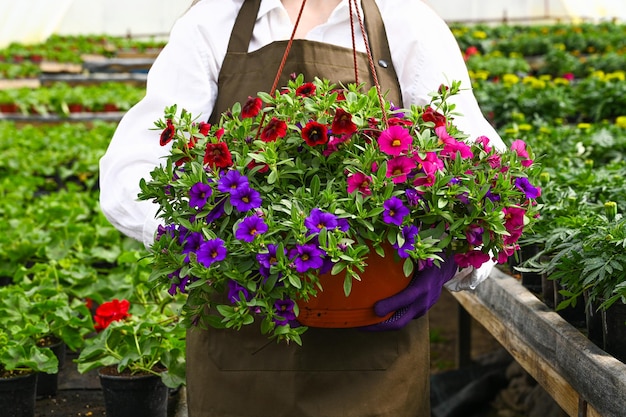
point(377, 37)
point(244, 25)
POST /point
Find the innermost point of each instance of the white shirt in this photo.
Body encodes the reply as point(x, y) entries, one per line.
point(424, 52)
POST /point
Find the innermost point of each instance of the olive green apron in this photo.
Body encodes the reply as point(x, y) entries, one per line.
point(337, 372)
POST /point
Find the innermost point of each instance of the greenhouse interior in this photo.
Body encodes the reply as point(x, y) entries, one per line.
point(157, 221)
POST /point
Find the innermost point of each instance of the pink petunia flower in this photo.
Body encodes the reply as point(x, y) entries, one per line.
point(398, 168)
point(395, 140)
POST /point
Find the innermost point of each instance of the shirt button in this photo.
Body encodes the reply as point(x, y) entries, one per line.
point(383, 63)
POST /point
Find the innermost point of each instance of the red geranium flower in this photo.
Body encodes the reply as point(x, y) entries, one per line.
point(217, 155)
point(273, 130)
point(315, 133)
point(343, 124)
point(251, 108)
point(109, 312)
point(306, 90)
point(168, 133)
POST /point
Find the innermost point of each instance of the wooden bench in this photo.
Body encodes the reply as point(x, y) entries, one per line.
point(583, 379)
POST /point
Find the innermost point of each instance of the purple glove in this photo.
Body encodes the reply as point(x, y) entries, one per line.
point(416, 299)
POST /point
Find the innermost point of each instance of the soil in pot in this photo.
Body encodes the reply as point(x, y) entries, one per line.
point(17, 394)
point(139, 395)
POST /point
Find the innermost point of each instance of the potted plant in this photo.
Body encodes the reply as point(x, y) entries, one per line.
point(139, 353)
point(261, 208)
point(22, 354)
point(53, 320)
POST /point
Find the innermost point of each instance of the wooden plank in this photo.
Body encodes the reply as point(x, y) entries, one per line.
point(556, 354)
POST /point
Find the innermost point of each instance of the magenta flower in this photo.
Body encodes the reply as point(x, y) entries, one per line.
point(395, 140)
point(484, 141)
point(249, 228)
point(473, 258)
point(398, 168)
point(199, 194)
point(395, 211)
point(519, 146)
point(430, 164)
point(361, 182)
point(211, 251)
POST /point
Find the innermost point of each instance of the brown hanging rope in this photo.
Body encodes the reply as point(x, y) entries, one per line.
point(352, 4)
point(370, 60)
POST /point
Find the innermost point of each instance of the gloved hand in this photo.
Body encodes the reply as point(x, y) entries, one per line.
point(469, 278)
point(416, 299)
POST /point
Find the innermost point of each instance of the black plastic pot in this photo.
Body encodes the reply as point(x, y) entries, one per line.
point(47, 384)
point(17, 395)
point(133, 395)
point(614, 325)
point(594, 322)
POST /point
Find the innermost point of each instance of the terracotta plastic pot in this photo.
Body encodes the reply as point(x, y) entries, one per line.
point(383, 277)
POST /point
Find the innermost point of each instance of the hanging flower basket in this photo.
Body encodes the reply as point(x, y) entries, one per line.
point(311, 181)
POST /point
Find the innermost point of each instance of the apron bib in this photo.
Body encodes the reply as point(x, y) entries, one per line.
point(337, 372)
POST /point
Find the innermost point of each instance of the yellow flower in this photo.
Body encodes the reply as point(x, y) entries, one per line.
point(525, 127)
point(479, 75)
point(621, 121)
point(584, 126)
point(545, 129)
point(479, 34)
point(561, 81)
point(617, 75)
point(510, 79)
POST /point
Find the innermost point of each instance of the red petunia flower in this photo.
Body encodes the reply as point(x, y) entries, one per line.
point(342, 123)
point(273, 130)
point(315, 133)
point(204, 128)
point(251, 108)
point(109, 312)
point(217, 155)
point(306, 90)
point(431, 115)
point(168, 133)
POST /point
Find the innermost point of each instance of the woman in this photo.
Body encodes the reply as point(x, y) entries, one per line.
point(222, 51)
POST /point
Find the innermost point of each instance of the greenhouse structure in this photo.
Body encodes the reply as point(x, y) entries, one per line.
point(286, 246)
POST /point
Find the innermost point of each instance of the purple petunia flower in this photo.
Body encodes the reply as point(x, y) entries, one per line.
point(409, 233)
point(395, 211)
point(319, 219)
point(235, 290)
point(412, 196)
point(232, 181)
point(284, 312)
point(192, 244)
point(216, 212)
point(524, 185)
point(250, 227)
point(307, 257)
point(474, 235)
point(199, 194)
point(211, 251)
point(266, 260)
point(245, 199)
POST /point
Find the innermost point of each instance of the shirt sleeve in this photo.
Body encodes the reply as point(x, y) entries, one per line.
point(185, 74)
point(426, 54)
